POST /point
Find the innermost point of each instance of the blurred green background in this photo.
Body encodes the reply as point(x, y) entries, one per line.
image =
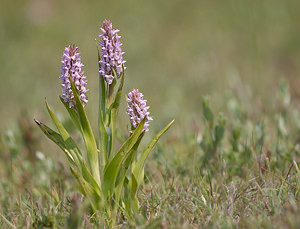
point(176, 52)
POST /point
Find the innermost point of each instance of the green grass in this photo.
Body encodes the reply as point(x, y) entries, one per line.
point(243, 54)
point(247, 177)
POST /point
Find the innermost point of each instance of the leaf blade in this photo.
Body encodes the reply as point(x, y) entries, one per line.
point(90, 142)
point(113, 166)
point(57, 139)
point(137, 171)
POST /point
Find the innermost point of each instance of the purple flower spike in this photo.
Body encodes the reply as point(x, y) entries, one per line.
point(137, 109)
point(71, 66)
point(111, 52)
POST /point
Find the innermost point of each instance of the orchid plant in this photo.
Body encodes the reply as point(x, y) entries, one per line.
point(108, 178)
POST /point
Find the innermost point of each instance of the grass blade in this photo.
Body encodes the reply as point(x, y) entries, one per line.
point(8, 222)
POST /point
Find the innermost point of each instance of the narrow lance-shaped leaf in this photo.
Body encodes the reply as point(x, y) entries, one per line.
point(71, 145)
point(71, 69)
point(72, 113)
point(74, 159)
point(131, 202)
point(112, 168)
point(137, 171)
point(128, 160)
point(114, 114)
point(91, 147)
point(86, 189)
point(134, 187)
point(57, 139)
point(63, 132)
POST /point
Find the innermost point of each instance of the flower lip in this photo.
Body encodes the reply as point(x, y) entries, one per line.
point(112, 61)
point(71, 66)
point(137, 109)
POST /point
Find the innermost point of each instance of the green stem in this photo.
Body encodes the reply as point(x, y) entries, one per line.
point(110, 95)
point(101, 125)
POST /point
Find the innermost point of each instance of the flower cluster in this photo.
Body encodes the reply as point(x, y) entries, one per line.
point(137, 109)
point(111, 53)
point(71, 66)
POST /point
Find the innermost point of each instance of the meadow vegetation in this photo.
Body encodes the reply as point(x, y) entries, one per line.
point(227, 72)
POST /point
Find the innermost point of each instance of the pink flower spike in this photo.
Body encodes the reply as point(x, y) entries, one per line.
point(137, 109)
point(111, 53)
point(71, 66)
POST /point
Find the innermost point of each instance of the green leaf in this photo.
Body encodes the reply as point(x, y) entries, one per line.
point(132, 203)
point(113, 166)
point(57, 139)
point(133, 189)
point(86, 189)
point(73, 114)
point(208, 114)
point(134, 185)
point(219, 129)
point(103, 137)
point(116, 103)
point(91, 180)
point(132, 154)
point(137, 171)
point(128, 160)
point(88, 136)
point(72, 158)
point(114, 114)
point(70, 143)
point(103, 141)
